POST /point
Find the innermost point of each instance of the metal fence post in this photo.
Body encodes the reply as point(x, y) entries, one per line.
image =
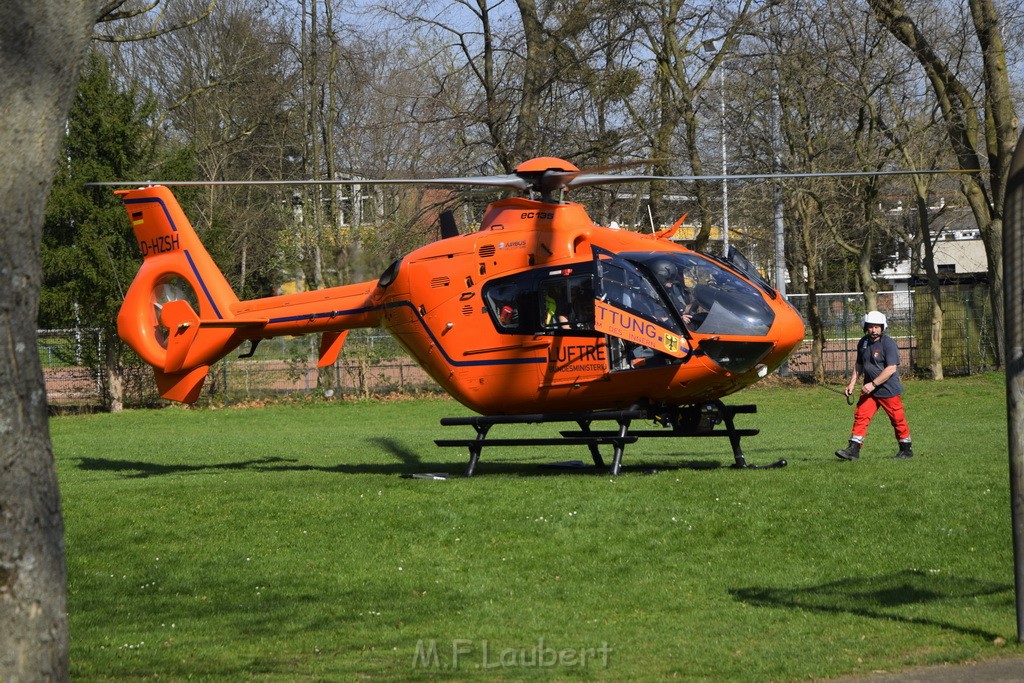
point(846, 336)
point(967, 331)
point(100, 361)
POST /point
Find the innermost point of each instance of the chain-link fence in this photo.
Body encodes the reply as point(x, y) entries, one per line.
point(373, 363)
point(968, 337)
point(73, 366)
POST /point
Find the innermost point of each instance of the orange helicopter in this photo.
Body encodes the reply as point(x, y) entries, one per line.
point(539, 316)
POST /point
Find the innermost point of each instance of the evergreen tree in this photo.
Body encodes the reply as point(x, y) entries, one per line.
point(88, 249)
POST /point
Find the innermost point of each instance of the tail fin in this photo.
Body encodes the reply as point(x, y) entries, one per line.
point(157, 318)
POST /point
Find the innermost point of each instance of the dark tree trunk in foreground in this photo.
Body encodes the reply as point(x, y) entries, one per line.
point(42, 43)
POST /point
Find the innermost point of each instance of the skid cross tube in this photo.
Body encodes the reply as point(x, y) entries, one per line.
point(617, 438)
point(585, 437)
point(681, 428)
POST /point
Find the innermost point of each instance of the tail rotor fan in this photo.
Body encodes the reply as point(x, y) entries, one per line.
point(171, 289)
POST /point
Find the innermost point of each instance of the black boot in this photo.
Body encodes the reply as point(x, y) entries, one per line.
point(905, 451)
point(851, 452)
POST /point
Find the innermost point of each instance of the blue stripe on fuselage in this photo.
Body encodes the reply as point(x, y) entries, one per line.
point(437, 343)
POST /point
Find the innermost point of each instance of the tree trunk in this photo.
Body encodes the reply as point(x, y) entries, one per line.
point(867, 280)
point(538, 53)
point(924, 238)
point(804, 210)
point(115, 373)
point(935, 361)
point(42, 44)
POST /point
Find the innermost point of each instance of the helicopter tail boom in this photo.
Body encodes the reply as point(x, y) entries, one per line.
point(181, 315)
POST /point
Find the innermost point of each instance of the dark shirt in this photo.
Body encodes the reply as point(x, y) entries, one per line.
point(677, 293)
point(873, 357)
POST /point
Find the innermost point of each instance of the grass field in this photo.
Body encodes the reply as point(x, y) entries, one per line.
point(281, 543)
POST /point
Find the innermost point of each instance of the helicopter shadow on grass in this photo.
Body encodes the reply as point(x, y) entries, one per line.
point(892, 597)
point(140, 469)
point(551, 466)
point(408, 463)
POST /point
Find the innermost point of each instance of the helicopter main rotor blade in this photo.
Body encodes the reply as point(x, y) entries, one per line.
point(584, 179)
point(511, 181)
point(546, 182)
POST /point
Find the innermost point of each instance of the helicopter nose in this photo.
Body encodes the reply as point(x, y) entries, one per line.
point(788, 330)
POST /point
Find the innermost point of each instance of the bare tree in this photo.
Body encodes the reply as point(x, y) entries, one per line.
point(225, 91)
point(916, 136)
point(679, 35)
point(981, 132)
point(926, 241)
point(548, 31)
point(122, 15)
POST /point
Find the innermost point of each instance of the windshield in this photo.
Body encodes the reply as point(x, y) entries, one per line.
point(708, 298)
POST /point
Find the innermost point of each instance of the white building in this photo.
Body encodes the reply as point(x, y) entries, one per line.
point(958, 250)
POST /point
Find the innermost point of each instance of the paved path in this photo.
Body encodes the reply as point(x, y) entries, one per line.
point(1008, 670)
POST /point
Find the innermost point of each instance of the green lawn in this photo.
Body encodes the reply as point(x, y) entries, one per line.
point(281, 543)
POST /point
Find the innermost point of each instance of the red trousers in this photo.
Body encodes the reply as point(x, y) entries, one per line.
point(868, 405)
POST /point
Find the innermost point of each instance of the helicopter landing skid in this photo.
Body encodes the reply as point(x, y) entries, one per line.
point(483, 423)
point(728, 413)
point(696, 421)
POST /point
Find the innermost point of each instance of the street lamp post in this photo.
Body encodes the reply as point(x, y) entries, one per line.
point(715, 47)
point(725, 168)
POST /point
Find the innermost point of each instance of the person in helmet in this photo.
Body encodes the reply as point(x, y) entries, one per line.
point(668, 275)
point(877, 361)
point(679, 285)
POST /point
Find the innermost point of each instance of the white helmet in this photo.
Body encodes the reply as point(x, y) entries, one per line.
point(875, 318)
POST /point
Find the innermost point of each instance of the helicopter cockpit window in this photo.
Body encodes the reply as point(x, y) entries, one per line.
point(742, 264)
point(567, 303)
point(511, 304)
point(709, 298)
point(543, 302)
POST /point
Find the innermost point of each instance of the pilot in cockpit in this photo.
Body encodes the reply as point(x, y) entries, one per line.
point(680, 288)
point(668, 275)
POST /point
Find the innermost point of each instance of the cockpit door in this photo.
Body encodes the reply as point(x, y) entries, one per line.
point(627, 306)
